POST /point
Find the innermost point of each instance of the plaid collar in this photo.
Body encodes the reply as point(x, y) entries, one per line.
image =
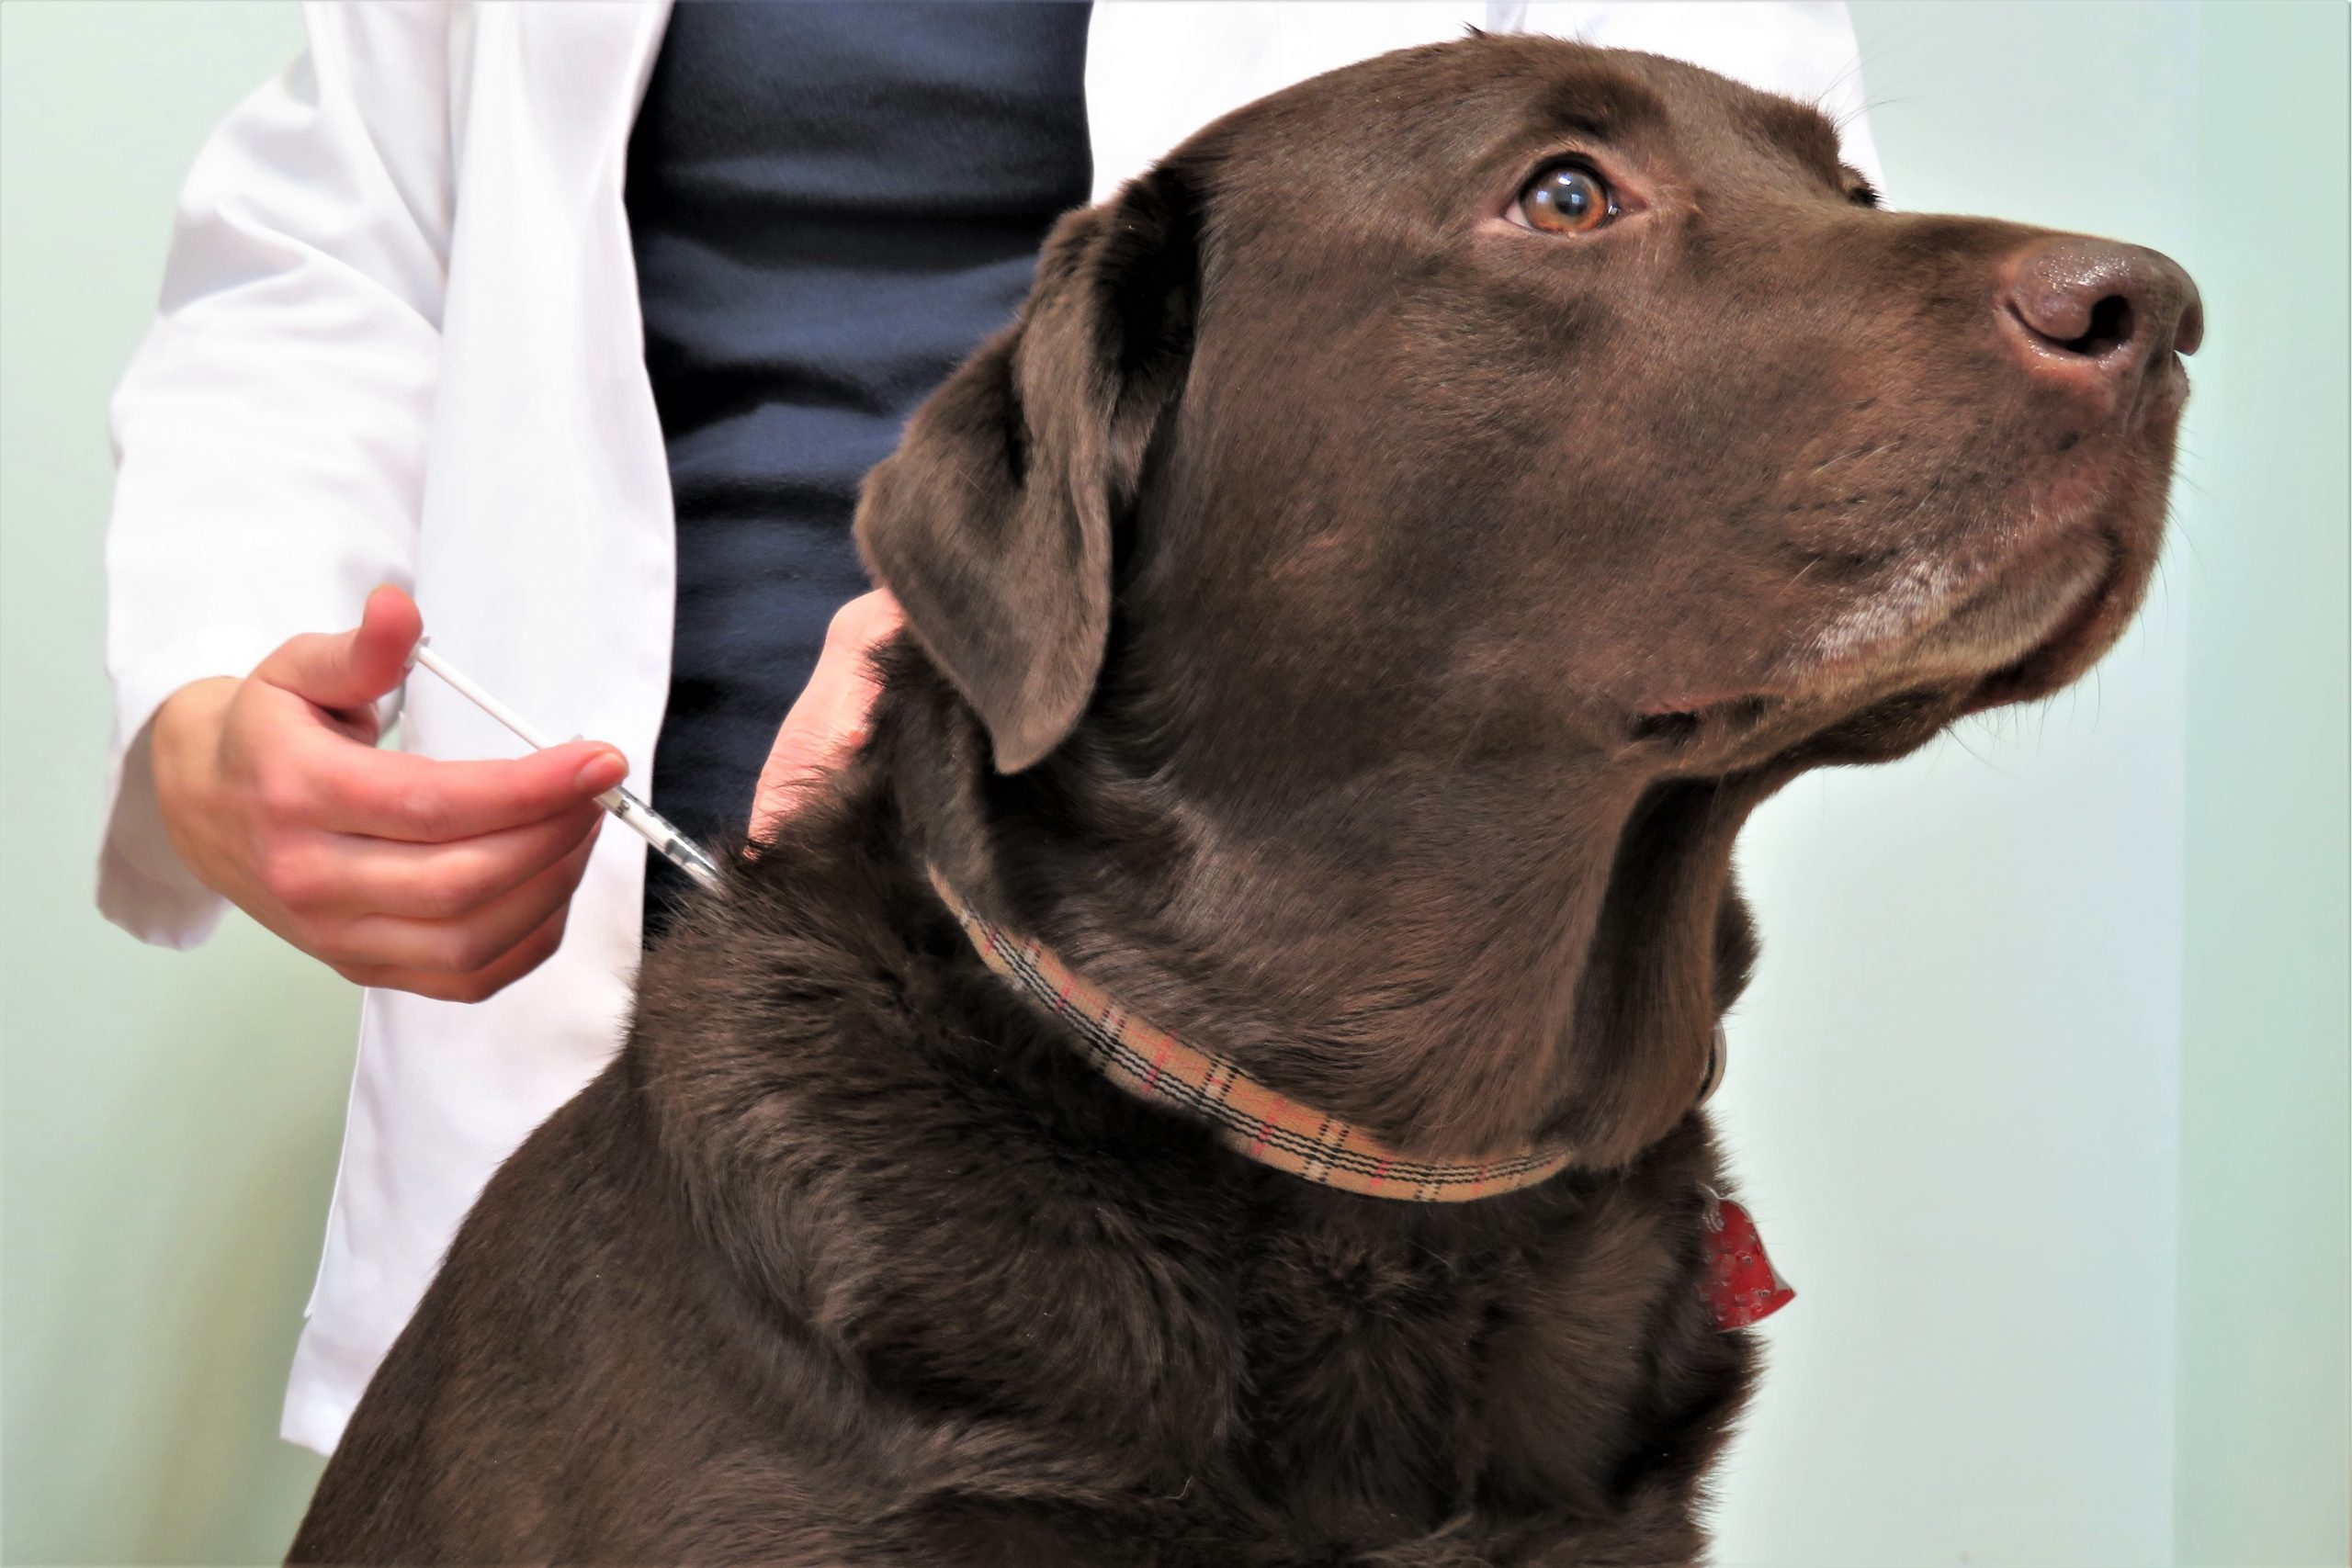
point(1245, 1114)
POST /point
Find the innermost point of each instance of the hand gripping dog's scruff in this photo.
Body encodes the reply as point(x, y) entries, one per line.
point(1216, 1080)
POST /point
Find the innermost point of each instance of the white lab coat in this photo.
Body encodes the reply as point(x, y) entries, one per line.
point(399, 342)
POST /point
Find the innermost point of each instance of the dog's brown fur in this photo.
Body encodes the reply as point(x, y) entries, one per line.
point(1350, 628)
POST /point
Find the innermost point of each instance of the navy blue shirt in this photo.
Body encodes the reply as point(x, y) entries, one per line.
point(831, 204)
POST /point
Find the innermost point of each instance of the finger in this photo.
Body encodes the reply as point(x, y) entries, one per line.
point(865, 620)
point(829, 718)
point(348, 669)
point(445, 882)
point(812, 745)
point(395, 795)
point(524, 956)
point(463, 946)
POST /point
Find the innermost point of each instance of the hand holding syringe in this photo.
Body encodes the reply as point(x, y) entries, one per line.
point(649, 824)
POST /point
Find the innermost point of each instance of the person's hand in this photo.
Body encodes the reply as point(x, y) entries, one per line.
point(828, 721)
point(448, 879)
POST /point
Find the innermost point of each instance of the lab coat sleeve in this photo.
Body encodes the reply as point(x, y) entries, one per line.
point(1803, 49)
point(270, 431)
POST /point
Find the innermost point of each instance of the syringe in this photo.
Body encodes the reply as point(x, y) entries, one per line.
point(649, 824)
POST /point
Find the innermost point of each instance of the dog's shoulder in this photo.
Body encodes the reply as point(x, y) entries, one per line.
point(897, 1254)
point(536, 1317)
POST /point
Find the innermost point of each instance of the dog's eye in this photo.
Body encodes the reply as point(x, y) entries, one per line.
point(1565, 198)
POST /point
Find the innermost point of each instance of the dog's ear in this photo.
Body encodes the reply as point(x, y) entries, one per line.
point(993, 522)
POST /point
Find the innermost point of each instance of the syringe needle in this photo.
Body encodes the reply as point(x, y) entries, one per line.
point(642, 819)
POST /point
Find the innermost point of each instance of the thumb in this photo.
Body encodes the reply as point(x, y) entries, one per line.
point(349, 670)
point(829, 720)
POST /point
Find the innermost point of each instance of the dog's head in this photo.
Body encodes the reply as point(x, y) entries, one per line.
point(1405, 532)
point(1510, 393)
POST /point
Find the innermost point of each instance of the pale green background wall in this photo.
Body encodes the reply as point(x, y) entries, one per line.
point(2042, 1096)
point(2264, 1175)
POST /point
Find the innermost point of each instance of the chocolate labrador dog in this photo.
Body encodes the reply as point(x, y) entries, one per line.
point(1215, 1081)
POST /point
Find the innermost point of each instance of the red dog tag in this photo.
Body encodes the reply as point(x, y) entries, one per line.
point(1741, 1284)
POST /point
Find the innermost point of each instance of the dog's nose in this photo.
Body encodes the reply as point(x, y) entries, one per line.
point(2097, 313)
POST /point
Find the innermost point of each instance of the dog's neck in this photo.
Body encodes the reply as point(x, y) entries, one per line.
point(1493, 960)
